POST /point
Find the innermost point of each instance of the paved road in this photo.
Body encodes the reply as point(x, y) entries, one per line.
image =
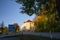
point(7, 36)
point(10, 38)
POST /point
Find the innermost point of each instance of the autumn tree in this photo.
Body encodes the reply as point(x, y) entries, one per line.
point(40, 22)
point(5, 30)
point(46, 20)
point(17, 28)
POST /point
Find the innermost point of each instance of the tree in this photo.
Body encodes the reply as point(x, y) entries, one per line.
point(32, 6)
point(17, 28)
point(5, 30)
point(45, 23)
point(46, 20)
point(40, 22)
point(58, 8)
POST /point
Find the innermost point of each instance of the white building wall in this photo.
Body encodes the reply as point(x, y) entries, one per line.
point(28, 25)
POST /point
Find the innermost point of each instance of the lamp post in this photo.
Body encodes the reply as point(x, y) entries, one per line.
point(50, 35)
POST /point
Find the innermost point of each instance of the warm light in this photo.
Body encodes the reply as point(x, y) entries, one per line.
point(27, 25)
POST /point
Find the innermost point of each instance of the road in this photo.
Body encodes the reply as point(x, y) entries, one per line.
point(10, 38)
point(22, 36)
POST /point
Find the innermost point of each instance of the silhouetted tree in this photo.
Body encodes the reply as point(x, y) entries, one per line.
point(32, 6)
point(58, 8)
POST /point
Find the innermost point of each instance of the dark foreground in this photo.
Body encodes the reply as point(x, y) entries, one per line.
point(26, 37)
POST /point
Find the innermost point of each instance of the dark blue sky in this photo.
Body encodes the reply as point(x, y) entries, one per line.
point(9, 13)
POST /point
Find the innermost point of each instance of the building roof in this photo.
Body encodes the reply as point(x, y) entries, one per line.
point(28, 21)
point(24, 22)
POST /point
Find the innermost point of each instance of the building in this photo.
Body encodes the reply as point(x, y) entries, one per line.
point(28, 26)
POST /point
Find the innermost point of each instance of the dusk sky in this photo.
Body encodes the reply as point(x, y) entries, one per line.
point(9, 13)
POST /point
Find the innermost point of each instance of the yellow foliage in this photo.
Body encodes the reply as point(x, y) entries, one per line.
point(41, 18)
point(5, 30)
point(17, 28)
